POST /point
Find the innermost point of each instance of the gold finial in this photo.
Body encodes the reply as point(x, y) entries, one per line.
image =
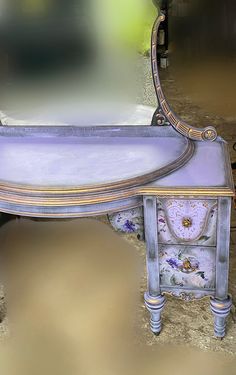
point(210, 134)
point(162, 17)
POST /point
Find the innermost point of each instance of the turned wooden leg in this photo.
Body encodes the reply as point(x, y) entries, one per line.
point(220, 310)
point(221, 303)
point(154, 301)
point(155, 305)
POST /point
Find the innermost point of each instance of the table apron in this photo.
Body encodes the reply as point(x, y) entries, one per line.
point(71, 210)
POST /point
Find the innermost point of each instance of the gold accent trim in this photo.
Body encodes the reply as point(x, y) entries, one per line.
point(108, 187)
point(71, 197)
point(153, 301)
point(207, 134)
point(219, 305)
point(187, 192)
point(80, 200)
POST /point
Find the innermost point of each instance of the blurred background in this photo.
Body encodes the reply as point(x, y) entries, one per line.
point(71, 54)
point(63, 54)
point(197, 56)
point(201, 44)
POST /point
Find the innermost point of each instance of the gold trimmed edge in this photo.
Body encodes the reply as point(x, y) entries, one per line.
point(76, 196)
point(160, 192)
point(109, 187)
point(130, 183)
point(67, 198)
point(214, 192)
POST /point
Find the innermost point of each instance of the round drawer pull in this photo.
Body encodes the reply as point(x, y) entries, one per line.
point(187, 222)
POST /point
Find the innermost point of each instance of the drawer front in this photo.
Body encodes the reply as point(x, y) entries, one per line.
point(129, 221)
point(187, 266)
point(182, 221)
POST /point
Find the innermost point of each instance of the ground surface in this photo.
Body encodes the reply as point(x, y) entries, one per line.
point(188, 324)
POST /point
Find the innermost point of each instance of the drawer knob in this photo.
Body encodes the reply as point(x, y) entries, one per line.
point(187, 222)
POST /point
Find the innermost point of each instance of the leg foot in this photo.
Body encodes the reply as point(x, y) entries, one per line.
point(155, 305)
point(220, 310)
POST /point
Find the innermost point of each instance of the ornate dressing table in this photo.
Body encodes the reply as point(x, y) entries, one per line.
point(171, 179)
point(186, 219)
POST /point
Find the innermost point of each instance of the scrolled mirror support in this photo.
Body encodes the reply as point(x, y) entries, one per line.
point(164, 115)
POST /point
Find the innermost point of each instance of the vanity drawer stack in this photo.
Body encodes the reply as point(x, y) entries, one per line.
point(187, 243)
point(187, 246)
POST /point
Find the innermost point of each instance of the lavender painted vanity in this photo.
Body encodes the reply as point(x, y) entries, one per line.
point(171, 181)
point(185, 219)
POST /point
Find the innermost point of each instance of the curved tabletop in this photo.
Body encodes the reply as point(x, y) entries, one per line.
point(77, 171)
point(86, 160)
point(73, 171)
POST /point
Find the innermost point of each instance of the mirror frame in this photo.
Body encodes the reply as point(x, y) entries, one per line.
point(164, 115)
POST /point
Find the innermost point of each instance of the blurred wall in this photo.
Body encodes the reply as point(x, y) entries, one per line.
point(203, 52)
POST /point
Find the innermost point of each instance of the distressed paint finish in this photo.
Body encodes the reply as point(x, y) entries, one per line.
point(203, 220)
point(75, 201)
point(190, 266)
point(171, 212)
point(129, 221)
point(223, 244)
point(110, 169)
point(64, 204)
point(221, 310)
point(71, 210)
point(209, 166)
point(155, 306)
point(187, 266)
point(194, 260)
point(194, 223)
point(84, 161)
point(151, 237)
point(154, 301)
point(222, 303)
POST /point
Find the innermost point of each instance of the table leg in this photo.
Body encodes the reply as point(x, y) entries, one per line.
point(154, 300)
point(222, 303)
point(220, 310)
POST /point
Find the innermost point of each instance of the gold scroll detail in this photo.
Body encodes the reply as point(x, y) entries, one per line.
point(207, 134)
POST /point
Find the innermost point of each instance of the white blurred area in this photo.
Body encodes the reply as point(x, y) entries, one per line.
point(116, 114)
point(71, 61)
